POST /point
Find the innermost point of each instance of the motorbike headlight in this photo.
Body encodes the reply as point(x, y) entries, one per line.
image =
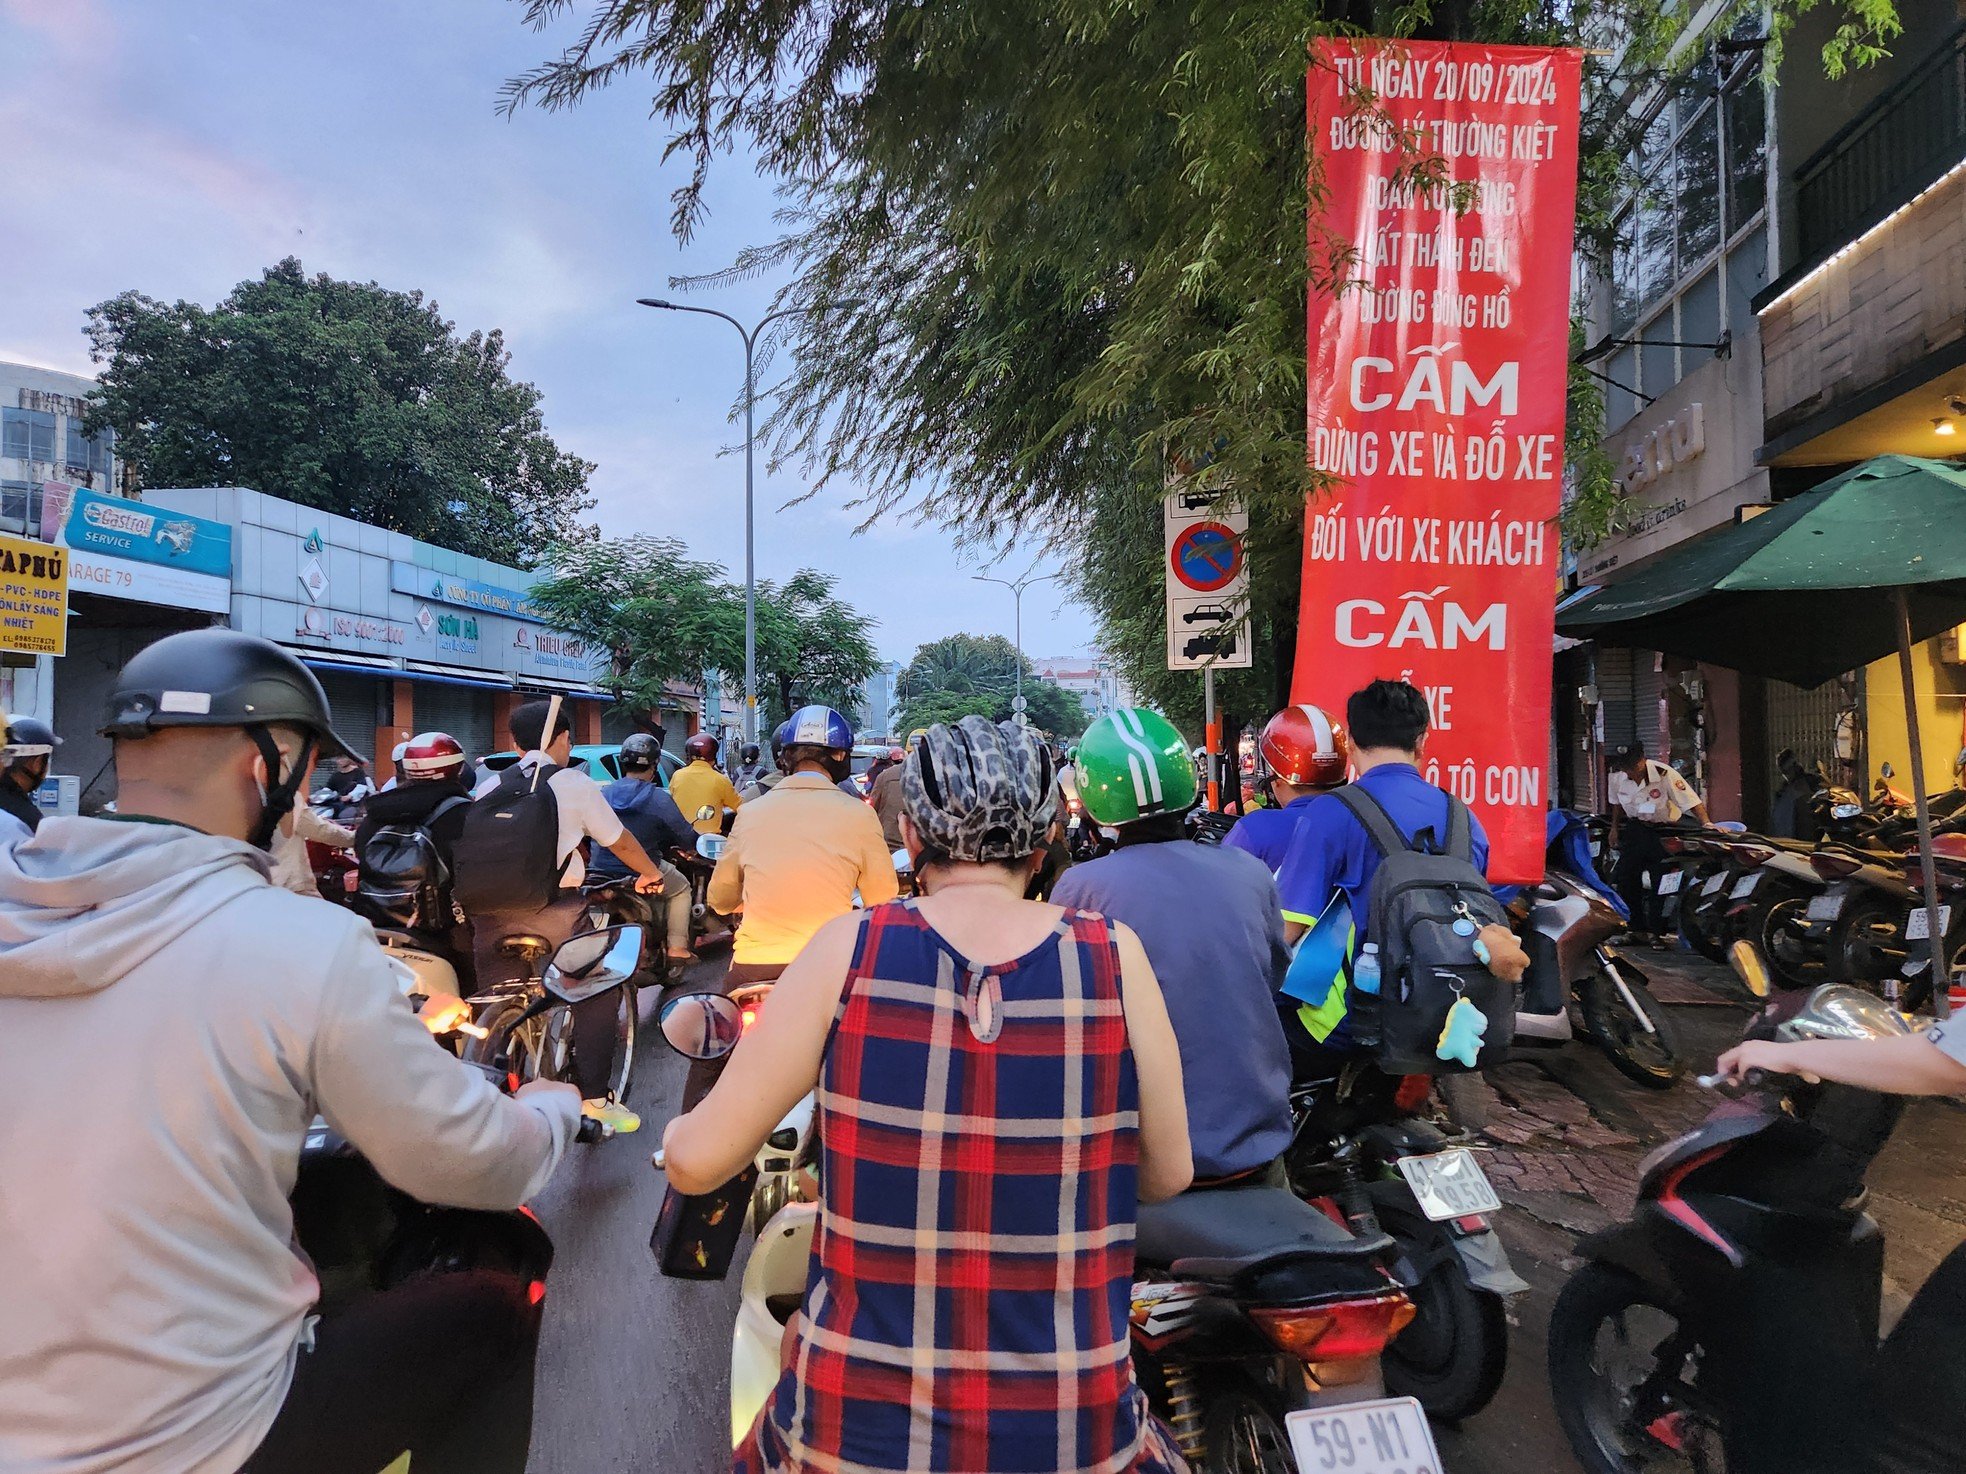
point(1845, 811)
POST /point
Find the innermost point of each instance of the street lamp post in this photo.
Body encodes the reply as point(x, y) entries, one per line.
point(1017, 587)
point(750, 337)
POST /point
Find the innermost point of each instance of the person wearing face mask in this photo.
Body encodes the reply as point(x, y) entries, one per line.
point(29, 745)
point(160, 1317)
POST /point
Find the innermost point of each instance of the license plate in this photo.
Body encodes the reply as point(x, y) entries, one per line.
point(1825, 907)
point(1918, 928)
point(1449, 1184)
point(1714, 882)
point(1671, 881)
point(1390, 1436)
point(1744, 886)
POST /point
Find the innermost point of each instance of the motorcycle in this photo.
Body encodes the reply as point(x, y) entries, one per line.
point(707, 929)
point(534, 1039)
point(1362, 1152)
point(1565, 924)
point(362, 1235)
point(1248, 1305)
point(1732, 1323)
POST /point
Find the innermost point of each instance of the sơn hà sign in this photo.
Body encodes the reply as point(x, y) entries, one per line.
point(33, 597)
point(1438, 335)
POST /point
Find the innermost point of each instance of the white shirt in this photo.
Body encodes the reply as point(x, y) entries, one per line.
point(1662, 796)
point(583, 811)
point(12, 829)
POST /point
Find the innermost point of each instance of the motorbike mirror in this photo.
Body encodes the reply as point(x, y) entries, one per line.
point(701, 1025)
point(588, 965)
point(902, 864)
point(711, 846)
point(705, 812)
point(1751, 967)
point(1886, 772)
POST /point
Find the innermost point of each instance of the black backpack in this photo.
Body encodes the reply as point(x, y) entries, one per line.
point(404, 873)
point(1418, 897)
point(507, 854)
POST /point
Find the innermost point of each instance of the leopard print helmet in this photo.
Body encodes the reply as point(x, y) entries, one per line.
point(980, 791)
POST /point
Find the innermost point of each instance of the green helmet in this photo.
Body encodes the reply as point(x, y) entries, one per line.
point(1133, 765)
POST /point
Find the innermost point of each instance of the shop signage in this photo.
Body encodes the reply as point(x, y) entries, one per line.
point(1438, 336)
point(1680, 441)
point(457, 633)
point(554, 651)
point(324, 624)
point(466, 593)
point(148, 583)
point(33, 597)
point(116, 527)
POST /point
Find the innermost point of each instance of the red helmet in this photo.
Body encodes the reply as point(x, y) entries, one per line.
point(1304, 746)
point(897, 755)
point(431, 755)
point(702, 746)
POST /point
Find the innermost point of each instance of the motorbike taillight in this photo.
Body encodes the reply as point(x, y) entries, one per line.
point(746, 1018)
point(1412, 1093)
point(1350, 1330)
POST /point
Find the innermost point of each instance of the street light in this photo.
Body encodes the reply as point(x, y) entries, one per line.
point(1017, 587)
point(750, 337)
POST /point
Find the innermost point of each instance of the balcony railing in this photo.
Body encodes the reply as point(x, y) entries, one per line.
point(1885, 155)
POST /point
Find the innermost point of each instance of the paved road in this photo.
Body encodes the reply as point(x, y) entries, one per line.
point(634, 1369)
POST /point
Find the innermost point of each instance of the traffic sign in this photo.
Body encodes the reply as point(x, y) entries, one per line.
point(1018, 703)
point(1206, 556)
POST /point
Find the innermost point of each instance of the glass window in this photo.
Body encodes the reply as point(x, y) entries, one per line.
point(88, 453)
point(14, 497)
point(27, 434)
point(1654, 246)
point(1699, 320)
point(1658, 368)
point(1747, 152)
point(1698, 162)
point(1747, 274)
point(1620, 404)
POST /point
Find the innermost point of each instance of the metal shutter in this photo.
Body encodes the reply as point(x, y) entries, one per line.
point(1648, 687)
point(353, 700)
point(463, 711)
point(1805, 721)
point(1614, 690)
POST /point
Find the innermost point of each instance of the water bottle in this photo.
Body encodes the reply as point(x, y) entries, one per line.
point(1362, 1010)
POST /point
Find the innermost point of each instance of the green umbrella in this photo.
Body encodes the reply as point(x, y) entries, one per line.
point(1868, 562)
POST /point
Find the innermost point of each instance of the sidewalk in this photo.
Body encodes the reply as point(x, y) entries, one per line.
point(1569, 1132)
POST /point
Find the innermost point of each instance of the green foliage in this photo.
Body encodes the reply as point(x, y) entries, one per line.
point(812, 646)
point(976, 675)
point(663, 616)
point(343, 396)
point(1048, 246)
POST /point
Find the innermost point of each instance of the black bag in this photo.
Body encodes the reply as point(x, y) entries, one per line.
point(1418, 896)
point(696, 1234)
point(404, 873)
point(507, 855)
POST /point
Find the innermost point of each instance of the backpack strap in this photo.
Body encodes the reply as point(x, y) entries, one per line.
point(1379, 827)
point(1460, 831)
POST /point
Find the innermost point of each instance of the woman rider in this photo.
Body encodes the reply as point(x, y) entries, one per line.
point(998, 1089)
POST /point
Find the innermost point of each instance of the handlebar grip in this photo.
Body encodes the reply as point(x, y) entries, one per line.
point(473, 1030)
point(591, 1130)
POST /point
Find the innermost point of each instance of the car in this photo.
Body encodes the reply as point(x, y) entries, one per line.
point(1208, 614)
point(865, 755)
point(600, 760)
point(1222, 643)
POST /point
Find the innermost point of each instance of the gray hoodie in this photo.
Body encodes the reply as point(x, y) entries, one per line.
point(170, 1023)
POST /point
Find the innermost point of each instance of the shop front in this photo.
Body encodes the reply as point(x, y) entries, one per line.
point(405, 636)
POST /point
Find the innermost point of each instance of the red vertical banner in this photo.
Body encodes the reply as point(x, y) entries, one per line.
point(1443, 210)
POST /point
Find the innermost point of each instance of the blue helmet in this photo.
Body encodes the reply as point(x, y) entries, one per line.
point(816, 726)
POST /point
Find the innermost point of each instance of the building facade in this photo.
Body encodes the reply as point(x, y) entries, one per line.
point(1092, 676)
point(873, 717)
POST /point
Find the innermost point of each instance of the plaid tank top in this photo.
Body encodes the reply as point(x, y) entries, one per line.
point(971, 1273)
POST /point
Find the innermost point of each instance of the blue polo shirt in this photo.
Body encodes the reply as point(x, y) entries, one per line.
point(1331, 850)
point(1265, 833)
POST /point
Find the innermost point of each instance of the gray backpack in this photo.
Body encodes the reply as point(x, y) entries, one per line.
point(1422, 892)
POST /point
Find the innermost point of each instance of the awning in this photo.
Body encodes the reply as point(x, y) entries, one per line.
point(565, 688)
point(450, 675)
point(361, 665)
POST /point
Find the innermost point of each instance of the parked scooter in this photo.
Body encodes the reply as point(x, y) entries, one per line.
point(362, 1235)
point(1247, 1305)
point(1362, 1151)
point(1733, 1322)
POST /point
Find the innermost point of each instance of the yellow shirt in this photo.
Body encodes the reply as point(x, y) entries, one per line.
point(703, 785)
point(795, 858)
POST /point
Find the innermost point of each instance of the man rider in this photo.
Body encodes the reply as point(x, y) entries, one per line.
point(1209, 920)
point(701, 784)
point(750, 768)
point(795, 859)
point(584, 814)
point(1331, 855)
point(884, 797)
point(1307, 753)
point(29, 746)
point(648, 812)
point(159, 1318)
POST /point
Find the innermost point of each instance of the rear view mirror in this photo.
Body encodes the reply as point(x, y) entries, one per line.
point(711, 846)
point(702, 1025)
point(1751, 968)
point(588, 965)
point(1886, 772)
point(902, 864)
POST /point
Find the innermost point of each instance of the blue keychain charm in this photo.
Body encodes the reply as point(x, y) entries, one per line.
point(1463, 927)
point(1460, 1037)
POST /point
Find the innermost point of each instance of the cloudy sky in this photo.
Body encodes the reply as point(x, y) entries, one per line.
point(178, 146)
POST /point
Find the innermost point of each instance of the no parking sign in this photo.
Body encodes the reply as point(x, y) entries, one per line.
point(1207, 584)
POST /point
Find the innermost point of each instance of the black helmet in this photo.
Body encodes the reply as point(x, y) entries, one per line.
point(638, 751)
point(750, 754)
point(27, 737)
point(220, 678)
